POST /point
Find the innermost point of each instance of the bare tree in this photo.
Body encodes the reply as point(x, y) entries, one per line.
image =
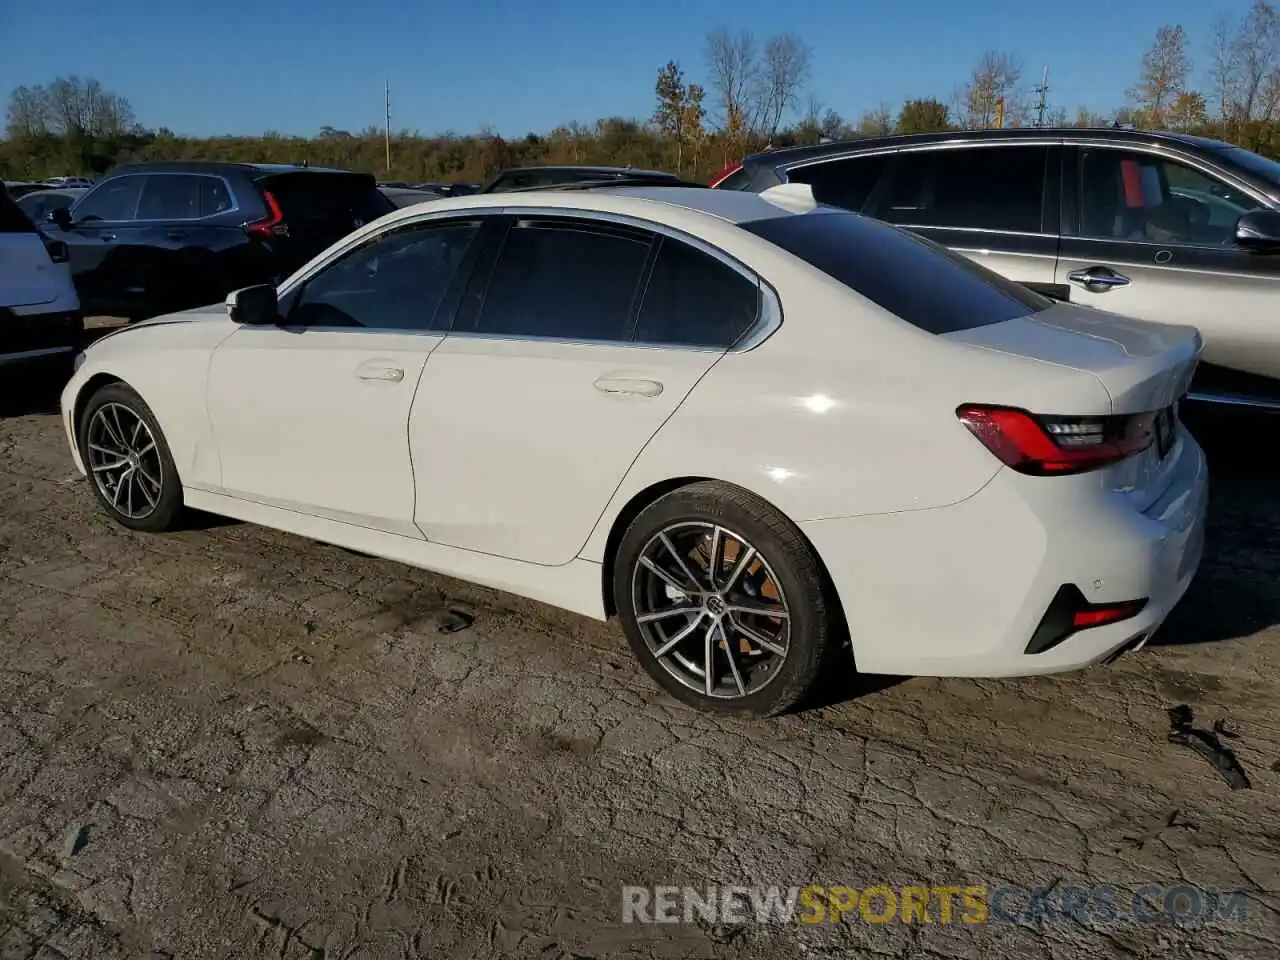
point(876, 123)
point(995, 77)
point(84, 108)
point(1165, 69)
point(734, 67)
point(784, 69)
point(28, 114)
point(1258, 48)
point(1224, 66)
point(833, 126)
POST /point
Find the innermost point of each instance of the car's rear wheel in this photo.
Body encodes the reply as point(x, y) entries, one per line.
point(130, 468)
point(723, 602)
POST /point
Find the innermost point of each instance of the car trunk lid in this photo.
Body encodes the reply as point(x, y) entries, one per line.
point(28, 271)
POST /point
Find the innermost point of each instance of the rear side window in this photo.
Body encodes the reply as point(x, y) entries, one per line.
point(328, 199)
point(113, 201)
point(695, 300)
point(987, 188)
point(12, 219)
point(740, 179)
point(566, 280)
point(842, 183)
point(925, 284)
point(170, 196)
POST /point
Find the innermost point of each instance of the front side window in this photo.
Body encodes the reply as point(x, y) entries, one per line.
point(984, 188)
point(114, 201)
point(842, 183)
point(397, 282)
point(1150, 199)
point(695, 300)
point(565, 279)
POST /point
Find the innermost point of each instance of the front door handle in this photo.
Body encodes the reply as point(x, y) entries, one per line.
point(386, 374)
point(643, 388)
point(1098, 279)
point(106, 236)
point(175, 234)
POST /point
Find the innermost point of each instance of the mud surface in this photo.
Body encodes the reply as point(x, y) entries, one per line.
point(234, 743)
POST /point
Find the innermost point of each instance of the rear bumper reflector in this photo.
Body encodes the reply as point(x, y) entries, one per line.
point(1069, 612)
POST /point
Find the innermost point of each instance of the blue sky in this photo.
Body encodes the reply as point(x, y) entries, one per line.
point(240, 66)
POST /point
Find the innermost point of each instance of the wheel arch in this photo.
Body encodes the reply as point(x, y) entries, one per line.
point(84, 395)
point(654, 492)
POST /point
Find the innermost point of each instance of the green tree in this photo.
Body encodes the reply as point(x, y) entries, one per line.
point(923, 116)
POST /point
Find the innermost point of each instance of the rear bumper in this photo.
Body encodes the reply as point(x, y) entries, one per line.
point(960, 590)
point(37, 335)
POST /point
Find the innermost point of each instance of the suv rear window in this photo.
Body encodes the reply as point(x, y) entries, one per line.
point(12, 219)
point(925, 284)
point(338, 199)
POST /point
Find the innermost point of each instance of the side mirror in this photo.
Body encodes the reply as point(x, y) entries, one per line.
point(1259, 230)
point(61, 216)
point(255, 306)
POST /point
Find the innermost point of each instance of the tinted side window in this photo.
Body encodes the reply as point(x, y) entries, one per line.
point(695, 300)
point(923, 283)
point(214, 196)
point(170, 196)
point(842, 183)
point(114, 200)
point(564, 279)
point(12, 219)
point(396, 282)
point(991, 188)
point(1148, 199)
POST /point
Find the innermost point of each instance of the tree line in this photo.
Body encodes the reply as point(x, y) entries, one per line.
point(749, 94)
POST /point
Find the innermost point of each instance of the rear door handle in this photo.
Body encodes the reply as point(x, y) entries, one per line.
point(387, 374)
point(175, 234)
point(1098, 279)
point(107, 236)
point(643, 388)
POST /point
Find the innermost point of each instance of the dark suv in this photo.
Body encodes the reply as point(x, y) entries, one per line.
point(1158, 226)
point(152, 238)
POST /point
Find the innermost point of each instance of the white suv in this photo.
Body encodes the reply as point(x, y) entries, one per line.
point(40, 316)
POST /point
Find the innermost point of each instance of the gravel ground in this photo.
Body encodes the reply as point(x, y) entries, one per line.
point(233, 743)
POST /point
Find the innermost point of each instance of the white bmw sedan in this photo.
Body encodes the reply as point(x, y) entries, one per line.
point(756, 430)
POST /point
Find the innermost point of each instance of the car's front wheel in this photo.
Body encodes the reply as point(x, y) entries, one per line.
point(723, 602)
point(130, 468)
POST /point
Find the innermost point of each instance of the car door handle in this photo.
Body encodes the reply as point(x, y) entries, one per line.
point(175, 234)
point(105, 237)
point(1098, 279)
point(643, 388)
point(387, 374)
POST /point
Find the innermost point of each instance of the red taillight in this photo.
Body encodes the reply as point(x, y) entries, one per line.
point(273, 225)
point(724, 175)
point(1057, 446)
point(1105, 613)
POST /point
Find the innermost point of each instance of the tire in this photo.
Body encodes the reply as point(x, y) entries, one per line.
point(109, 431)
point(783, 572)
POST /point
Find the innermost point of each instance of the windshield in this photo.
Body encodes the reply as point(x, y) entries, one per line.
point(923, 283)
point(1268, 170)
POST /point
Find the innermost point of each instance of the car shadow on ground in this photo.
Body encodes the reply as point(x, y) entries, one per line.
point(1233, 595)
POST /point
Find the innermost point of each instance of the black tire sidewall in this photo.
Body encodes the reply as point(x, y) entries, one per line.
point(791, 560)
point(170, 505)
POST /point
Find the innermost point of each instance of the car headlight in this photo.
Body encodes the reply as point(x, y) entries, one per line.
point(79, 361)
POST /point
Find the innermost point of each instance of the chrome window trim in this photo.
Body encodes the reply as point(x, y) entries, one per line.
point(768, 317)
point(234, 208)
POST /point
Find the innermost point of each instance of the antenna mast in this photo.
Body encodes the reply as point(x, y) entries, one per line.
point(386, 102)
point(1043, 92)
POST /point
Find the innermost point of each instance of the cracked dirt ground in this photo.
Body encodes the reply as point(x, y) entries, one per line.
point(233, 743)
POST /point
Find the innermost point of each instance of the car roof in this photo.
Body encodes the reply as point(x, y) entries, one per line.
point(647, 203)
point(219, 166)
point(787, 156)
point(586, 168)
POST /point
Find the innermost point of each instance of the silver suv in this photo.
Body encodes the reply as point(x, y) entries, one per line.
point(1157, 226)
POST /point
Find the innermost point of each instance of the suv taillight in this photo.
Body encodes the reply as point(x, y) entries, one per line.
point(273, 224)
point(1057, 446)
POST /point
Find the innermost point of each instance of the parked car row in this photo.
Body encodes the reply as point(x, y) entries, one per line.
point(761, 431)
point(1162, 227)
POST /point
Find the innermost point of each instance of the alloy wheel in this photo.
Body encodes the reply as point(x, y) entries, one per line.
point(711, 610)
point(124, 461)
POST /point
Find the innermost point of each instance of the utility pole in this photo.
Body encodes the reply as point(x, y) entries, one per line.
point(386, 102)
point(1043, 92)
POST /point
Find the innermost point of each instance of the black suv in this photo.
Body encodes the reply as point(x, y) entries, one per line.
point(152, 238)
point(536, 178)
point(1158, 226)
